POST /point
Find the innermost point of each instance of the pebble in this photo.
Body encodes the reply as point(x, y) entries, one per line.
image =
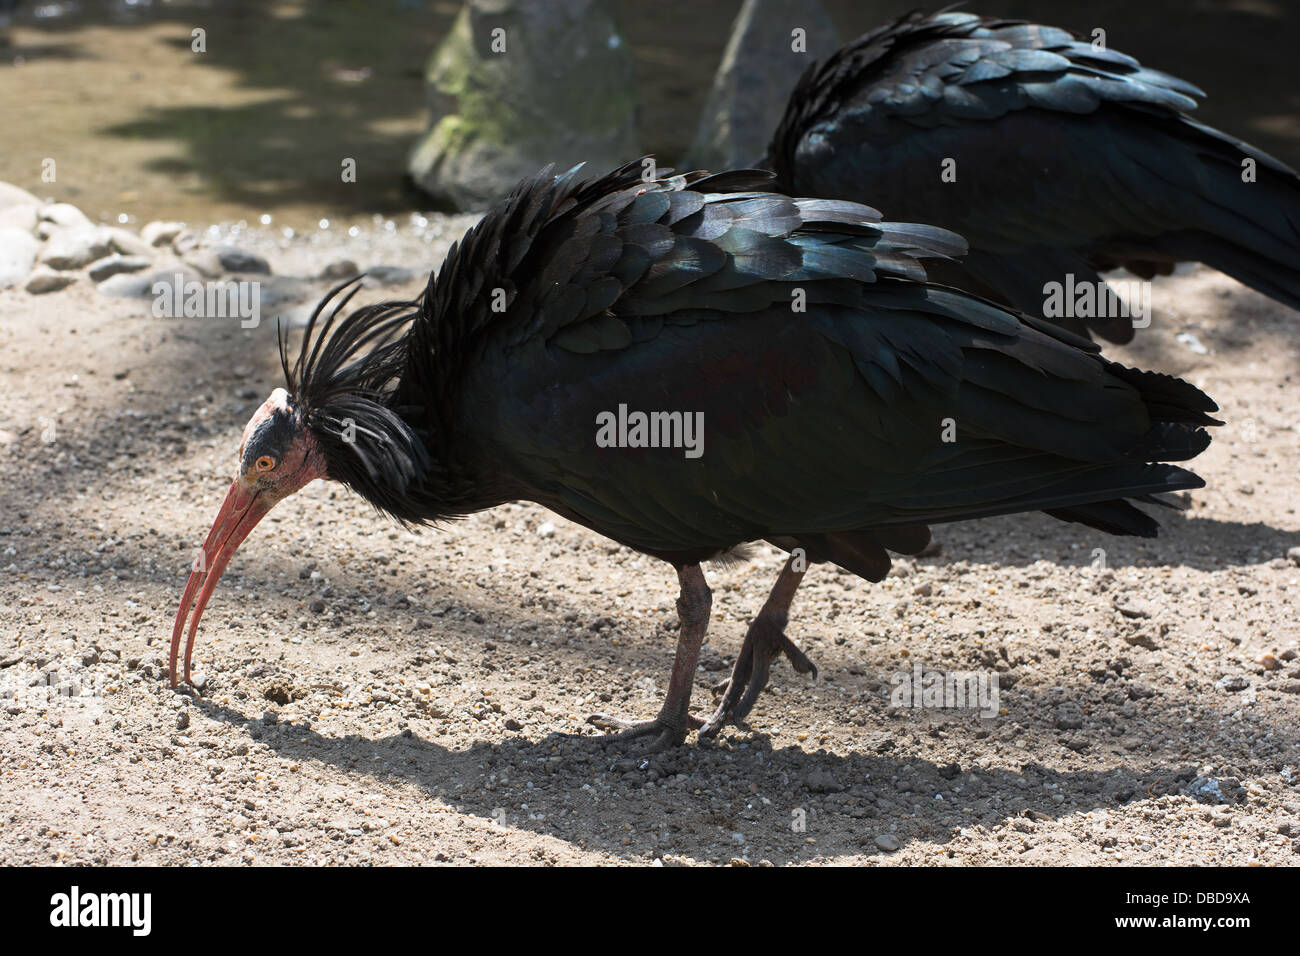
point(205, 261)
point(22, 218)
point(64, 214)
point(137, 285)
point(388, 275)
point(887, 842)
point(44, 280)
point(340, 269)
point(128, 243)
point(75, 247)
point(11, 195)
point(1294, 555)
point(161, 233)
point(1069, 717)
point(822, 781)
point(116, 264)
point(234, 259)
point(126, 285)
point(1134, 608)
point(1233, 682)
point(18, 250)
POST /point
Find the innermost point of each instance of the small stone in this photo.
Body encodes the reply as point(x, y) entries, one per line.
point(317, 606)
point(512, 724)
point(22, 218)
point(116, 264)
point(44, 280)
point(1294, 555)
point(161, 233)
point(11, 196)
point(128, 243)
point(75, 247)
point(185, 241)
point(822, 781)
point(388, 275)
point(340, 269)
point(546, 529)
point(1233, 682)
point(183, 720)
point(1134, 608)
point(90, 658)
point(64, 214)
point(1269, 662)
point(205, 261)
point(18, 251)
point(923, 590)
point(234, 259)
point(887, 842)
point(1069, 717)
point(126, 285)
point(1140, 691)
point(1143, 638)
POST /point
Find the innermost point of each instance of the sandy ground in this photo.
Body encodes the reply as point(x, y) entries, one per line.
point(373, 696)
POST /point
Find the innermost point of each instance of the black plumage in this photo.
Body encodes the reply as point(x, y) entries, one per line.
point(846, 403)
point(1070, 158)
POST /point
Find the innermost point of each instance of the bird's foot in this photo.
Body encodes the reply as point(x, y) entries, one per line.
point(666, 733)
point(763, 642)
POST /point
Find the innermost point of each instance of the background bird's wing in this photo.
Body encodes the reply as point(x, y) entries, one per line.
point(1067, 157)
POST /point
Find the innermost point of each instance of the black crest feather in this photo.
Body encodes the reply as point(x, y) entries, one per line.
point(341, 387)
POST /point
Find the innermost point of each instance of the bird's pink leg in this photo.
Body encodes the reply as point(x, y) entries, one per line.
point(669, 729)
point(764, 640)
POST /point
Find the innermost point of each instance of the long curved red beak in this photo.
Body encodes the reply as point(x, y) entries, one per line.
point(239, 514)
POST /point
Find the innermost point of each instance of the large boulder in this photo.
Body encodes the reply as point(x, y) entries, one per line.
point(516, 85)
point(760, 67)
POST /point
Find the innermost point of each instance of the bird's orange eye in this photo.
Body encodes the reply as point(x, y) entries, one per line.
point(265, 463)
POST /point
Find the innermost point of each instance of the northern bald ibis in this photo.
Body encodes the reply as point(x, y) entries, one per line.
point(843, 402)
point(1053, 156)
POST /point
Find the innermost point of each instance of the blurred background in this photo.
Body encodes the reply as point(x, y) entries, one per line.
point(144, 128)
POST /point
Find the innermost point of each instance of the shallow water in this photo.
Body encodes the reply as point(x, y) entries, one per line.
point(139, 125)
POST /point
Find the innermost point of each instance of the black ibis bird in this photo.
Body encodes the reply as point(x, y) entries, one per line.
point(1055, 157)
point(686, 364)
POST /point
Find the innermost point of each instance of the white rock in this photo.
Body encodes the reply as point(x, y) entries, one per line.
point(11, 195)
point(116, 264)
point(128, 243)
point(76, 247)
point(161, 233)
point(18, 217)
point(126, 285)
point(234, 259)
point(18, 251)
point(44, 280)
point(64, 214)
point(206, 261)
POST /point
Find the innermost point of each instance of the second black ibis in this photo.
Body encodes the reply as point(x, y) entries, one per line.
point(1057, 157)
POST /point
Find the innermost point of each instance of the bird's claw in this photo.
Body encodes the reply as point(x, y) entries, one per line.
point(763, 642)
point(666, 733)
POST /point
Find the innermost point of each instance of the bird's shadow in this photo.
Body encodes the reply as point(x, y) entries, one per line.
point(746, 797)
